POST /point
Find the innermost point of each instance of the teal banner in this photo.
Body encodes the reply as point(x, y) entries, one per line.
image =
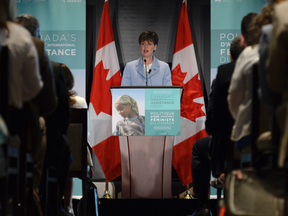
point(145, 112)
point(66, 46)
point(226, 16)
point(63, 29)
point(162, 112)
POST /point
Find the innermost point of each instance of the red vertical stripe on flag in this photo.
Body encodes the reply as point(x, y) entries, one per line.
point(183, 36)
point(105, 27)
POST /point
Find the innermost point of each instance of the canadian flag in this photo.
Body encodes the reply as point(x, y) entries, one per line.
point(185, 73)
point(106, 74)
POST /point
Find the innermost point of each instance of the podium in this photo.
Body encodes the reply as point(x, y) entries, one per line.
point(146, 166)
point(146, 161)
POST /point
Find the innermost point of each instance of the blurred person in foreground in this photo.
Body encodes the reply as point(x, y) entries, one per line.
point(240, 89)
point(24, 84)
point(277, 71)
point(78, 103)
point(45, 102)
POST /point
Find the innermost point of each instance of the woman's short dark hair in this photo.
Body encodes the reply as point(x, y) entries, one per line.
point(69, 79)
point(148, 35)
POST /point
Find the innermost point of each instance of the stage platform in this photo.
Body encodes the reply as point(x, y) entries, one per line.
point(150, 207)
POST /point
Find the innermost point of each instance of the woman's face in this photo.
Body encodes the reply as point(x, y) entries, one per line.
point(123, 109)
point(147, 48)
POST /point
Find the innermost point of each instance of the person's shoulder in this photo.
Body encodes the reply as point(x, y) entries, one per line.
point(134, 62)
point(252, 52)
point(39, 44)
point(58, 72)
point(16, 27)
point(246, 54)
point(246, 60)
point(56, 67)
point(246, 51)
point(19, 39)
point(141, 118)
point(281, 9)
point(37, 41)
point(225, 72)
point(120, 122)
point(160, 62)
point(227, 66)
point(15, 30)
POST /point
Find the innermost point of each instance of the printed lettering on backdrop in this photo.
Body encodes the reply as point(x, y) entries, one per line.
point(63, 27)
point(158, 111)
point(226, 16)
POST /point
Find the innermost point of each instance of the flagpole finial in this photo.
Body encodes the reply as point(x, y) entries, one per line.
point(187, 193)
point(107, 192)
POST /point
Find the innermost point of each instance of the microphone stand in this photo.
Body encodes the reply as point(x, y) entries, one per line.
point(149, 76)
point(146, 72)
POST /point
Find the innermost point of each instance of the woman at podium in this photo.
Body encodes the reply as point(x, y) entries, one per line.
point(147, 70)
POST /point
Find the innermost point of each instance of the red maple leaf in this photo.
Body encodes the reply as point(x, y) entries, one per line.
point(100, 94)
point(192, 90)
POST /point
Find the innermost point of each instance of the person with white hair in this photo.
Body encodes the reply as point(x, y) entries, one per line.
point(132, 124)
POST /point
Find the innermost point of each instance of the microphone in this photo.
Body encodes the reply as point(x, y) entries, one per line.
point(146, 72)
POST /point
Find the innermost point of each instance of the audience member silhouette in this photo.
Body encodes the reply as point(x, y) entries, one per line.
point(58, 153)
point(277, 69)
point(24, 84)
point(78, 103)
point(45, 102)
point(24, 81)
point(210, 152)
point(241, 86)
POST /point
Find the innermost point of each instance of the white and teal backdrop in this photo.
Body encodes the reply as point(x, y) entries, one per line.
point(226, 16)
point(63, 29)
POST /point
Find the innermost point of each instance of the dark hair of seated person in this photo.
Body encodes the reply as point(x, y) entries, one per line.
point(69, 79)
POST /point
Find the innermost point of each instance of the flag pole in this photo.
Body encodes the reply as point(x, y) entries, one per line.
point(107, 192)
point(187, 191)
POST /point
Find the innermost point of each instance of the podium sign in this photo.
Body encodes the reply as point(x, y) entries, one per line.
point(162, 112)
point(146, 111)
